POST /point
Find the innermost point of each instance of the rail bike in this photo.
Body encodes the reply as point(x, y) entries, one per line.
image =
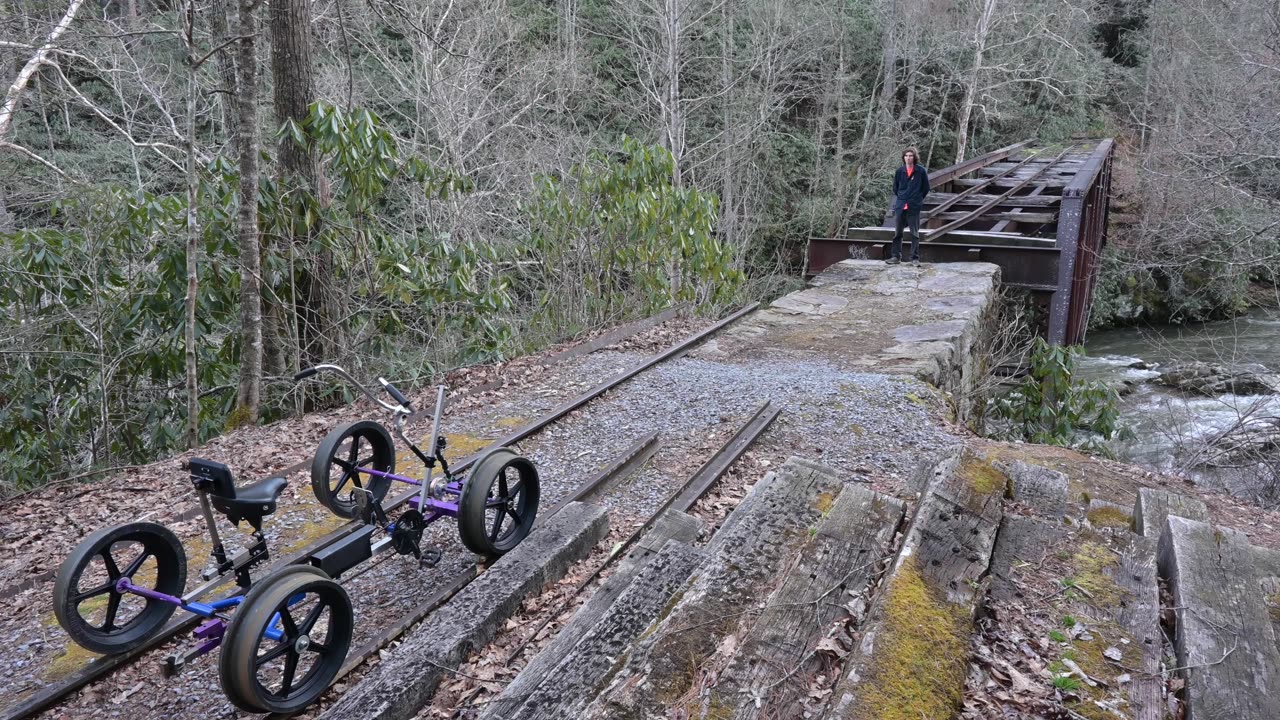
point(284, 637)
point(122, 583)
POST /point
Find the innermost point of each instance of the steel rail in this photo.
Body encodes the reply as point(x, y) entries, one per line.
point(618, 334)
point(624, 465)
point(939, 232)
point(689, 492)
point(103, 666)
point(941, 207)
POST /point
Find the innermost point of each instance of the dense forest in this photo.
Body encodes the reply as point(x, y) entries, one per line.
point(444, 182)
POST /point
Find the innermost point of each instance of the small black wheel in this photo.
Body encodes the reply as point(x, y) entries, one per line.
point(407, 534)
point(86, 600)
point(334, 475)
point(315, 619)
point(498, 504)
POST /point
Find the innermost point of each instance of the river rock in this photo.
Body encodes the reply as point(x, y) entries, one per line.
point(1212, 379)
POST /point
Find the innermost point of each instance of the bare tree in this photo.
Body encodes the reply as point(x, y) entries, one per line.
point(293, 75)
point(981, 34)
point(193, 231)
point(249, 394)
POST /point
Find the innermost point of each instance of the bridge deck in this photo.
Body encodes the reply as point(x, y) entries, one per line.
point(1037, 212)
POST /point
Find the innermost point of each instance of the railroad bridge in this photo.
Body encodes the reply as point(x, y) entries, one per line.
point(1039, 212)
point(776, 516)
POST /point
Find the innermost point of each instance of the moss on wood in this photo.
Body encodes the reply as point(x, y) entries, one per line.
point(920, 656)
point(981, 475)
point(1107, 516)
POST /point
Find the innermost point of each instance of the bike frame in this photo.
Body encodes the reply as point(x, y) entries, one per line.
point(431, 503)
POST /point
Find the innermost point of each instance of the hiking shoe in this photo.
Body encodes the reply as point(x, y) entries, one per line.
point(893, 261)
point(915, 263)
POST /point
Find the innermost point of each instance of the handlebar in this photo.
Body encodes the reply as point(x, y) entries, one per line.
point(402, 409)
point(391, 389)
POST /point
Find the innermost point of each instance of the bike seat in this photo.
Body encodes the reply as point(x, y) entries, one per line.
point(251, 502)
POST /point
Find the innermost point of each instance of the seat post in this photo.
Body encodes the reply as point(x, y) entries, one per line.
point(219, 553)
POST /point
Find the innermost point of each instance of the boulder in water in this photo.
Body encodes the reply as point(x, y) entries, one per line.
point(1212, 379)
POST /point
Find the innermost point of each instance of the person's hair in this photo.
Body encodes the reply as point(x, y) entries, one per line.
point(914, 153)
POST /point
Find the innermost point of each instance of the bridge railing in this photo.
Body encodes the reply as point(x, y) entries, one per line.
point(1082, 233)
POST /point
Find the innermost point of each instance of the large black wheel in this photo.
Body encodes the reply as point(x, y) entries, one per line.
point(86, 599)
point(314, 616)
point(498, 504)
point(334, 471)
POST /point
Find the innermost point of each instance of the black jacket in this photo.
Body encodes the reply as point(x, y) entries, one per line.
point(910, 191)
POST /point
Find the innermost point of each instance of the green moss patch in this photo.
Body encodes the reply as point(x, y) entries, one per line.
point(824, 502)
point(921, 655)
point(1107, 516)
point(981, 475)
point(1092, 563)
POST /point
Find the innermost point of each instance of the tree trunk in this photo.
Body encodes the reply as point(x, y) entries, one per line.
point(971, 88)
point(294, 77)
point(904, 116)
point(672, 30)
point(728, 199)
point(6, 220)
point(193, 235)
point(889, 61)
point(837, 195)
point(218, 13)
point(249, 394)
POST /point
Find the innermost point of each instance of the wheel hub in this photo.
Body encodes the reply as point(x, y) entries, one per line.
point(302, 643)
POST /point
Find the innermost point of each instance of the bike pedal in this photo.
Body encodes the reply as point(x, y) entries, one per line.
point(173, 664)
point(430, 558)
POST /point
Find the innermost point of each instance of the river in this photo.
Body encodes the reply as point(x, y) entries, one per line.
point(1169, 426)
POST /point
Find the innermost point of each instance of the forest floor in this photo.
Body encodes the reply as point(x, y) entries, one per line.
point(873, 428)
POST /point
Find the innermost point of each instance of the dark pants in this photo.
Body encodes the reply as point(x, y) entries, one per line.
point(907, 218)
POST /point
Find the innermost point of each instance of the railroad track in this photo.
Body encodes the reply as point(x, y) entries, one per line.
point(101, 667)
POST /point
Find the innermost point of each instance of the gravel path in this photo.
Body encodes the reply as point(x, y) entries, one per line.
point(871, 428)
point(43, 653)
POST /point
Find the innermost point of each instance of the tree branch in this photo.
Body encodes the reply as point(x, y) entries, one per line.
point(39, 58)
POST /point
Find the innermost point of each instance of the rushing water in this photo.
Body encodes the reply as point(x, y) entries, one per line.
point(1170, 426)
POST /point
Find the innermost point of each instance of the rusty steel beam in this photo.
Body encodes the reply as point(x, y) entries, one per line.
point(1000, 226)
point(1029, 268)
point(1081, 223)
point(947, 174)
point(973, 189)
point(934, 235)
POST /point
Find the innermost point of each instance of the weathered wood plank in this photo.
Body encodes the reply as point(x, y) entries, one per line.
point(938, 198)
point(1139, 616)
point(914, 643)
point(746, 556)
point(1012, 216)
point(405, 680)
point(1224, 641)
point(766, 677)
point(1039, 488)
point(671, 525)
point(1153, 506)
point(1021, 540)
point(567, 687)
point(1267, 564)
point(1058, 181)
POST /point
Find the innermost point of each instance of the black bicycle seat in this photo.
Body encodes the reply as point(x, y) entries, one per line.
point(251, 502)
point(263, 491)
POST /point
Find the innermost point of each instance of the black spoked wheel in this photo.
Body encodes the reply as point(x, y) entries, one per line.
point(86, 597)
point(335, 470)
point(311, 617)
point(499, 502)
